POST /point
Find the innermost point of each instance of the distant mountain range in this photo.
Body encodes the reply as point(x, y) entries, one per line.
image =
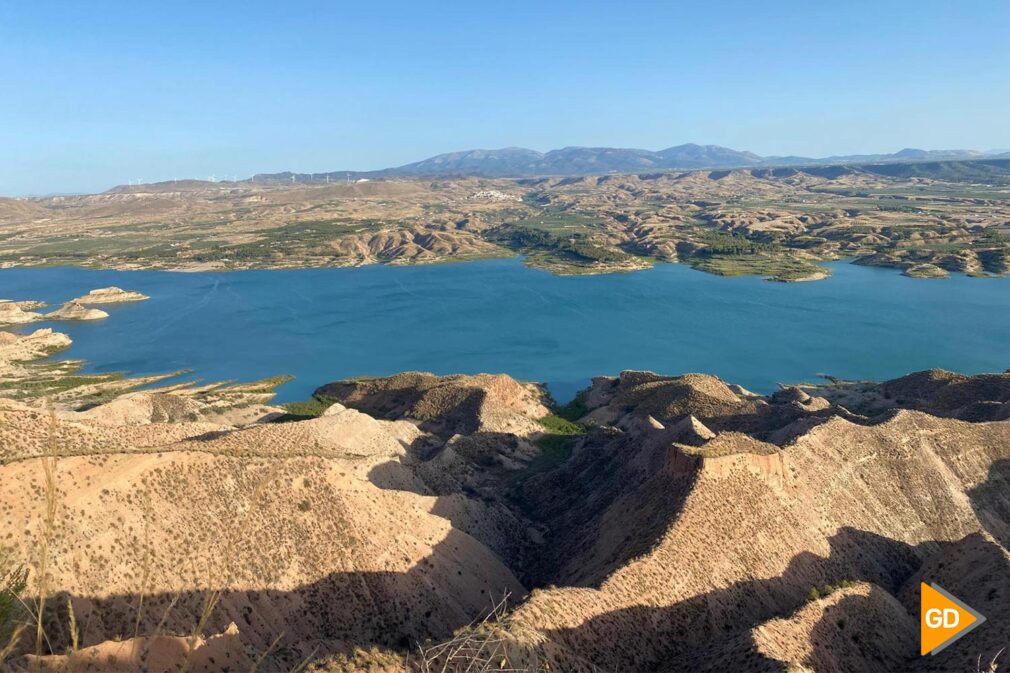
point(521, 162)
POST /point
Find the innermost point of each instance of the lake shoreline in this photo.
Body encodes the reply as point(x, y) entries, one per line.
point(502, 316)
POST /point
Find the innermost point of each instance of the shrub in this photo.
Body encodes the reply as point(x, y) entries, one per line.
point(13, 580)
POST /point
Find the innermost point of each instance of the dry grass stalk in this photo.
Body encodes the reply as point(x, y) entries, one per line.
point(51, 494)
point(145, 570)
point(265, 653)
point(480, 647)
point(993, 666)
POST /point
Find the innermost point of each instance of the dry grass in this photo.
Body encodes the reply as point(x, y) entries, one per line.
point(51, 497)
point(991, 667)
point(482, 646)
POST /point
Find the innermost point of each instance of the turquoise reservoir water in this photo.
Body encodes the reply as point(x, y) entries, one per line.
point(499, 316)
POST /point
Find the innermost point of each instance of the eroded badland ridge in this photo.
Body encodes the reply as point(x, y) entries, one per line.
point(928, 218)
point(657, 523)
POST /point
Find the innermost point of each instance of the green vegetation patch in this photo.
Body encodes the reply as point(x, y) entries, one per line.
point(716, 243)
point(265, 386)
point(555, 252)
point(50, 386)
point(557, 442)
point(575, 409)
point(774, 267)
point(816, 593)
point(559, 426)
point(306, 409)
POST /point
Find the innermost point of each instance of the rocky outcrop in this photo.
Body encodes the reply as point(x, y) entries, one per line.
point(15, 313)
point(925, 271)
point(110, 295)
point(12, 313)
point(447, 405)
point(768, 467)
point(39, 343)
point(937, 392)
point(16, 350)
point(74, 310)
point(714, 404)
point(690, 430)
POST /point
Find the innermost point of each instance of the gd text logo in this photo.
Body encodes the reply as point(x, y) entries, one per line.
point(943, 619)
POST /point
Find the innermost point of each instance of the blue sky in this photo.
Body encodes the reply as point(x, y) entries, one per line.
point(100, 93)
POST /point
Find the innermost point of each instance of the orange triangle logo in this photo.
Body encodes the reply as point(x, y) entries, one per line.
point(943, 619)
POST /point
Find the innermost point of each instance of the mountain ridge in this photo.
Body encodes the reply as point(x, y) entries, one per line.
point(512, 162)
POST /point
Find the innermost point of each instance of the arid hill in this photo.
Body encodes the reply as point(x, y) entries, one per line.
point(655, 524)
point(928, 219)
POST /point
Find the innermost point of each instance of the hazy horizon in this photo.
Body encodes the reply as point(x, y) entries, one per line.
point(226, 177)
point(107, 93)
